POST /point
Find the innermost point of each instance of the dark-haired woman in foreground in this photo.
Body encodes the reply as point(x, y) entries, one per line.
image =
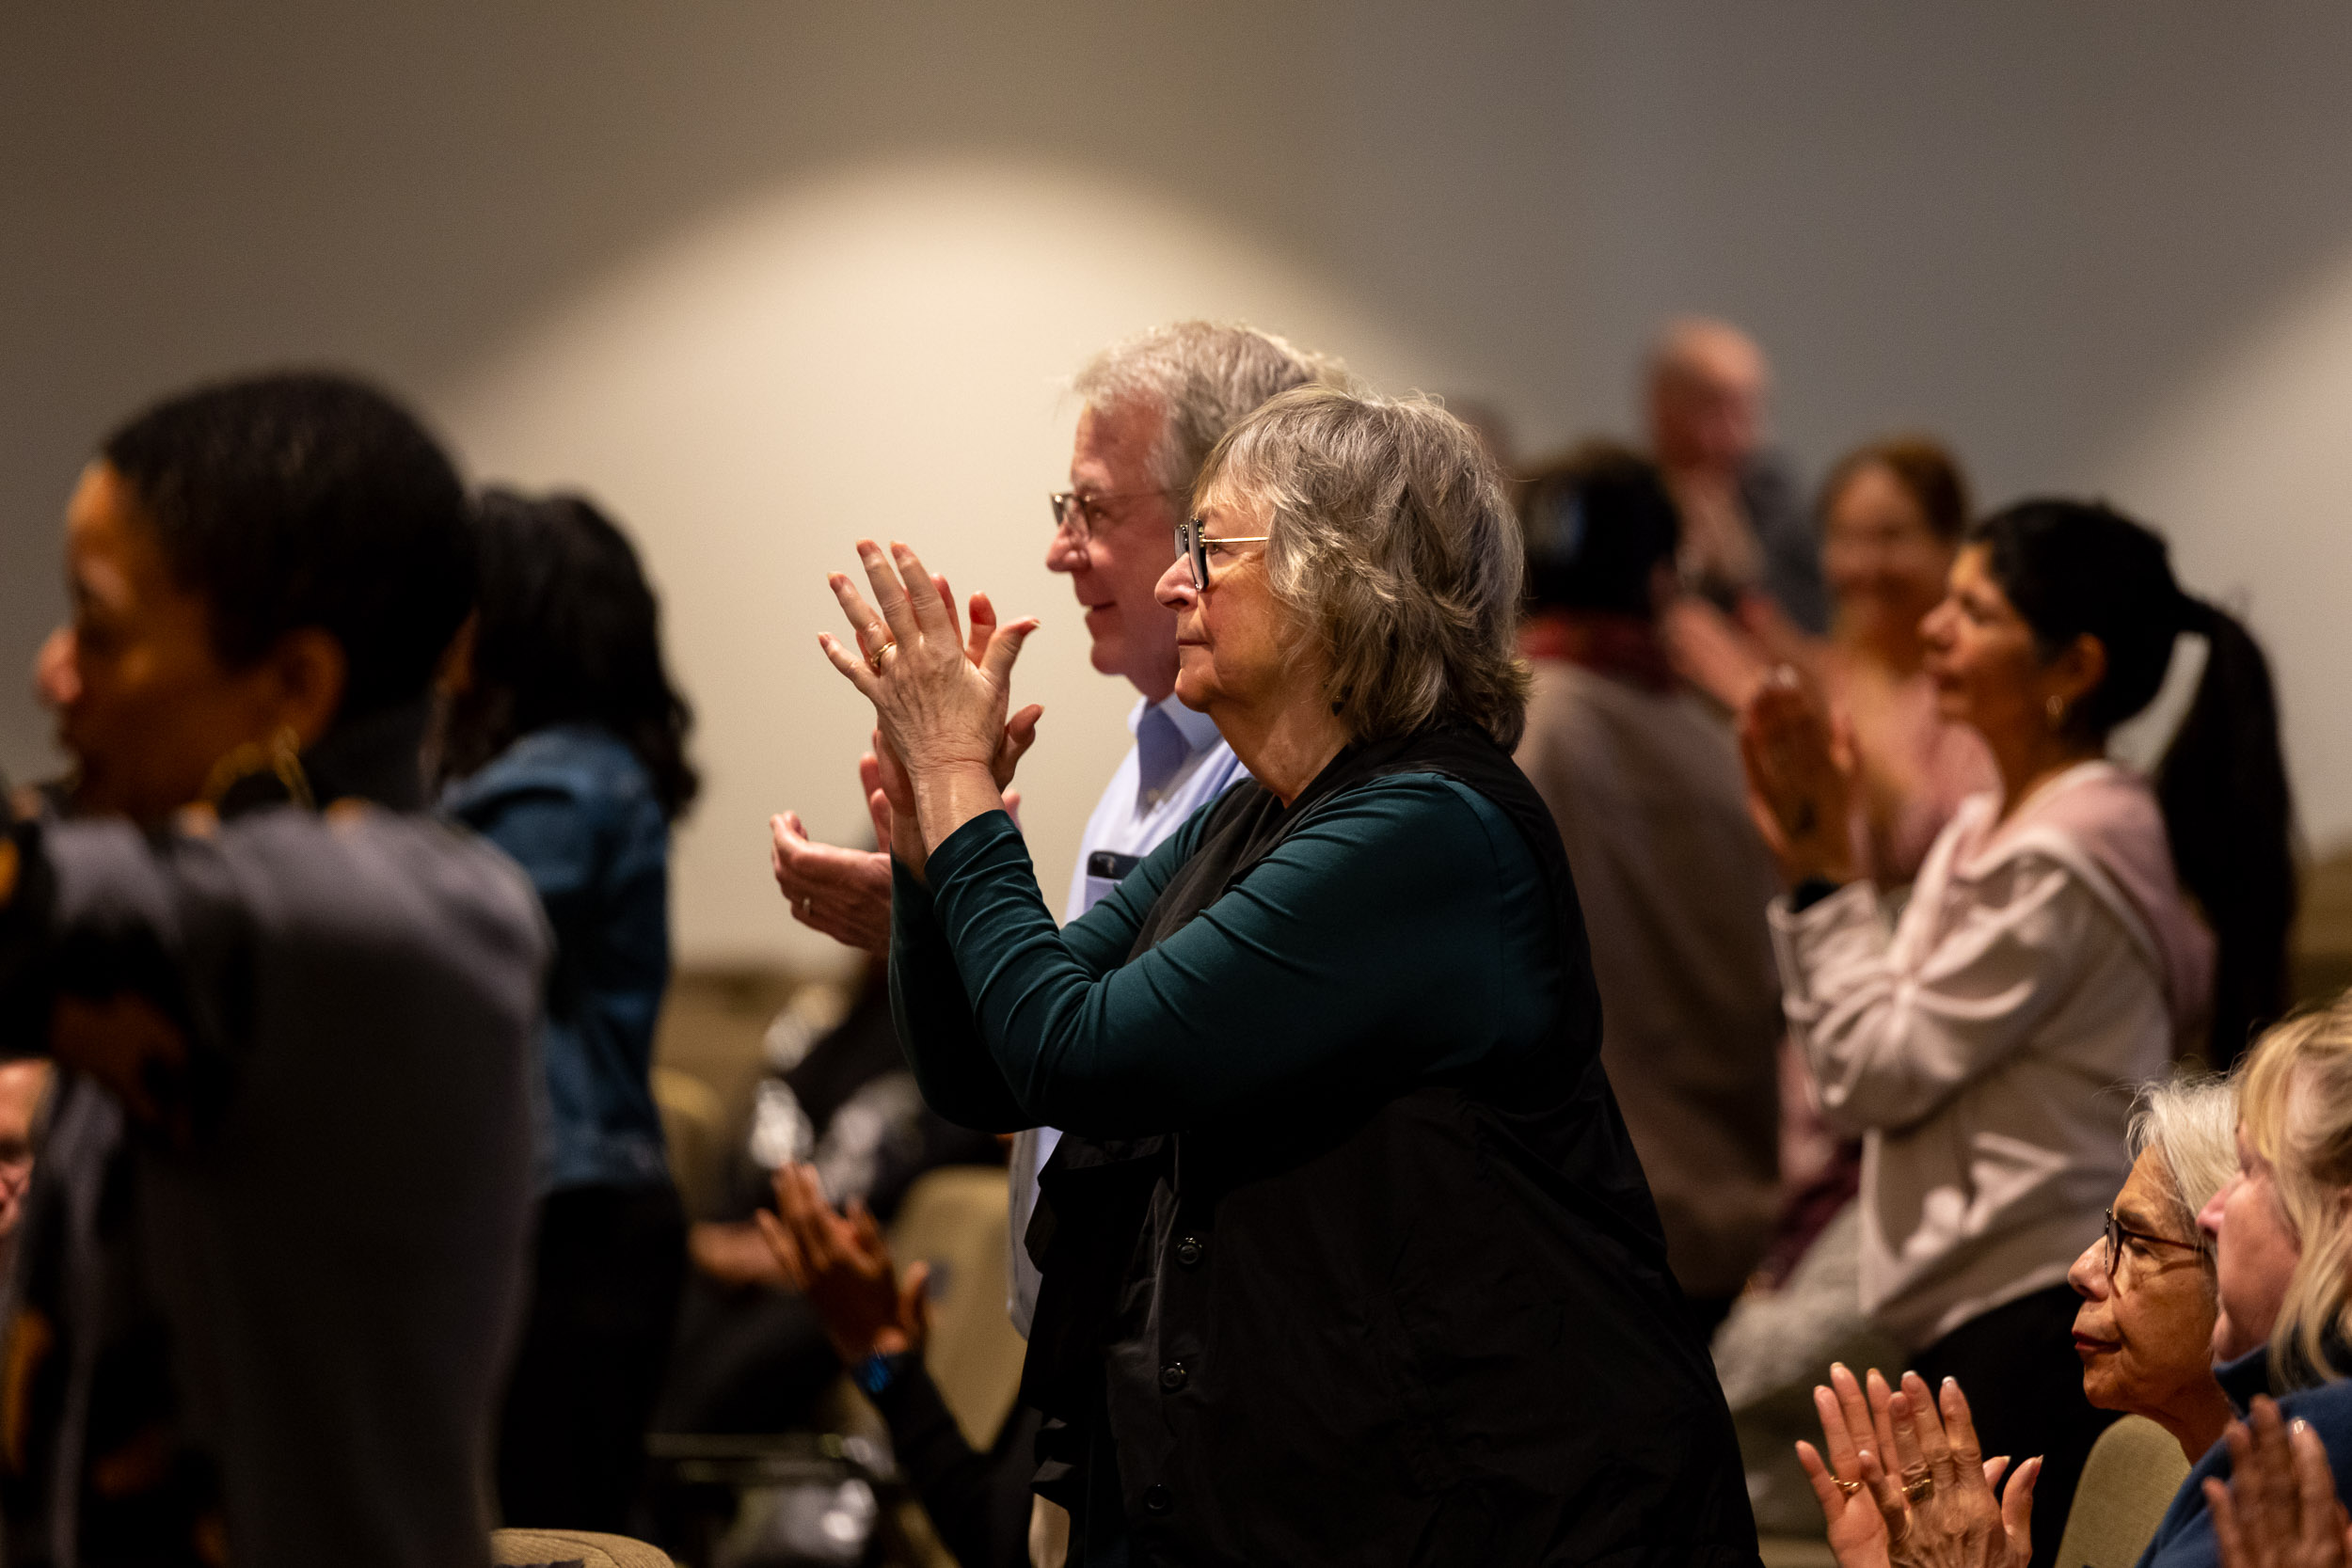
point(272, 1257)
point(2046, 952)
point(1347, 1258)
point(567, 744)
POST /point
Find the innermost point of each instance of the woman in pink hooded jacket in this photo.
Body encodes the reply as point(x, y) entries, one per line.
point(2075, 931)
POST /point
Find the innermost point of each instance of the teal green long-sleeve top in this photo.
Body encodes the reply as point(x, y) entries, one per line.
point(1401, 935)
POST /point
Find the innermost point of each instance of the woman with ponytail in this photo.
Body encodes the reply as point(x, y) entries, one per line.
point(2048, 950)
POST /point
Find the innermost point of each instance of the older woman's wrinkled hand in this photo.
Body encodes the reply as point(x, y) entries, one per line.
point(1958, 1518)
point(2279, 1509)
point(939, 712)
point(1801, 777)
point(1940, 1509)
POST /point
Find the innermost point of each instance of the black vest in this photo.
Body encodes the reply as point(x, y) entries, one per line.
point(1424, 1325)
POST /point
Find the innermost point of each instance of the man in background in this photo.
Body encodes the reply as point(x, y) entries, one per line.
point(1745, 535)
point(1644, 779)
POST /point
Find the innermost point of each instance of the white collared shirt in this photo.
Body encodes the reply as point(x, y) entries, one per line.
point(1178, 764)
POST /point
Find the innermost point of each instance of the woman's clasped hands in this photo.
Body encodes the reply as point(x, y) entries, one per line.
point(1940, 1506)
point(945, 747)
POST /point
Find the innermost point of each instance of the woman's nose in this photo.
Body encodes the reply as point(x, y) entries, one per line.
point(2209, 1217)
point(1175, 589)
point(2088, 1273)
point(56, 680)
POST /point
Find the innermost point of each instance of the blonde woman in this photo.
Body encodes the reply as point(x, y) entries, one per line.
point(2283, 1229)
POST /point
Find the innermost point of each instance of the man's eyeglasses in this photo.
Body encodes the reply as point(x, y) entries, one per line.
point(2117, 1231)
point(1081, 511)
point(1192, 543)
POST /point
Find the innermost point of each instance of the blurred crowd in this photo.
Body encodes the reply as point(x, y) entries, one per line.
point(1614, 1003)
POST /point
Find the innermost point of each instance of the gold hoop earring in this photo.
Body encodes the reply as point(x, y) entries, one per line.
point(285, 760)
point(283, 756)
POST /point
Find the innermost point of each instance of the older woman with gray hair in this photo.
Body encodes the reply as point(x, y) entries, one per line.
point(1347, 1258)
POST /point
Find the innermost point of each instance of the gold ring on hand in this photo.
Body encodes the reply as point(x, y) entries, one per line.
point(874, 659)
point(1848, 1487)
point(1919, 1485)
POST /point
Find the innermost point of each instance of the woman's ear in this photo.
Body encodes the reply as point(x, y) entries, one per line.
point(2077, 670)
point(309, 671)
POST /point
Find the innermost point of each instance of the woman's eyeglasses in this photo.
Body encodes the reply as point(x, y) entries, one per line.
point(1192, 543)
point(2117, 1231)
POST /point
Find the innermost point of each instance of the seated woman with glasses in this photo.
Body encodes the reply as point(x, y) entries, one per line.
point(1347, 1258)
point(2279, 1228)
point(2144, 1333)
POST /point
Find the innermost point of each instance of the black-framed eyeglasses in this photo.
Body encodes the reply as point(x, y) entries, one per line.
point(1081, 511)
point(2116, 1232)
point(1193, 544)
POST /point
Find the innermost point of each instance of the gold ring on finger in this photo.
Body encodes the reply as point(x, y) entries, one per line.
point(874, 659)
point(1848, 1487)
point(1919, 1485)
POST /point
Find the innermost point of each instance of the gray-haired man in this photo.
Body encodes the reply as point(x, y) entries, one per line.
point(1154, 406)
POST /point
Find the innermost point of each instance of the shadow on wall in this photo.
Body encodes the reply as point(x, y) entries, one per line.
point(2248, 469)
point(881, 352)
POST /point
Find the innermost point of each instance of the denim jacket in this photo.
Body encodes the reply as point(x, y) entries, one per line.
point(574, 807)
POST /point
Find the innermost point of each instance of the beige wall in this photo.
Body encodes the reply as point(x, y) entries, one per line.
point(767, 277)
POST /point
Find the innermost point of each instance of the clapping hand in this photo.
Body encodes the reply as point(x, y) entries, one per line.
point(840, 1262)
point(1942, 1511)
point(2280, 1508)
point(940, 715)
point(1801, 771)
point(846, 893)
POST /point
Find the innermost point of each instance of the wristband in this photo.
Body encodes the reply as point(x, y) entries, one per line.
point(878, 1371)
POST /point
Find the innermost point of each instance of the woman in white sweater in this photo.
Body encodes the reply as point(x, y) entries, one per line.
point(1979, 1040)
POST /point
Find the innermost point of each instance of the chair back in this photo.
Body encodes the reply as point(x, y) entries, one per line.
point(2128, 1481)
point(956, 1219)
point(564, 1548)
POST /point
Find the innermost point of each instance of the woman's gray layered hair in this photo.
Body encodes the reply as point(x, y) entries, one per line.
point(2191, 1122)
point(1392, 542)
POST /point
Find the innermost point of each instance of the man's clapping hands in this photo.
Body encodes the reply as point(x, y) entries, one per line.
point(846, 893)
